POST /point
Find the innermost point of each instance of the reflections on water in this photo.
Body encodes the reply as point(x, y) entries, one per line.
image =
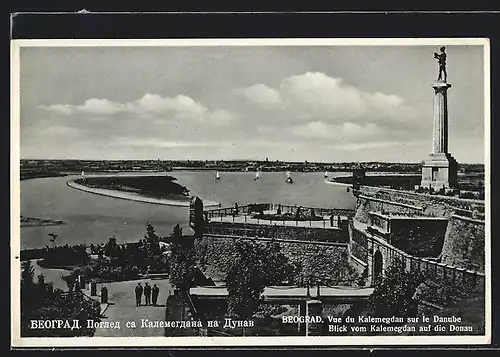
point(92, 218)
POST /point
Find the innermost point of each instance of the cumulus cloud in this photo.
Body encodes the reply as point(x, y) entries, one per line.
point(315, 96)
point(318, 96)
point(221, 117)
point(308, 107)
point(59, 108)
point(262, 95)
point(180, 107)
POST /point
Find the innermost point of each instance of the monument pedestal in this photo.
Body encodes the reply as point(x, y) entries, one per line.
point(439, 171)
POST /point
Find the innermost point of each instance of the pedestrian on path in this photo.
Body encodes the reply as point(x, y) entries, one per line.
point(155, 293)
point(147, 294)
point(138, 294)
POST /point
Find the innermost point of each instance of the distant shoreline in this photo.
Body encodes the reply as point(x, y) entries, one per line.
point(136, 197)
point(39, 222)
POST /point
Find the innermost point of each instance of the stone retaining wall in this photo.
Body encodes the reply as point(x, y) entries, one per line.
point(464, 243)
point(310, 259)
point(283, 232)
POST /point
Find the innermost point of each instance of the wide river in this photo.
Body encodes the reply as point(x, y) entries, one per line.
point(92, 218)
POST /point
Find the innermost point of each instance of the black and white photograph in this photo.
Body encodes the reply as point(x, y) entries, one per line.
point(250, 192)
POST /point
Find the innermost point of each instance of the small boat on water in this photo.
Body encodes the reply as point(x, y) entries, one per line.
point(289, 177)
point(326, 174)
point(217, 176)
point(256, 176)
point(83, 174)
point(348, 189)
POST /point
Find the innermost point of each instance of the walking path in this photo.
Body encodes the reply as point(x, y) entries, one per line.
point(51, 275)
point(122, 309)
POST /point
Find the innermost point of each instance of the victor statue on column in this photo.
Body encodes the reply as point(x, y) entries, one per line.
point(441, 58)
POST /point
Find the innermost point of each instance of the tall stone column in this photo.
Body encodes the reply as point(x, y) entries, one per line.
point(439, 171)
point(440, 135)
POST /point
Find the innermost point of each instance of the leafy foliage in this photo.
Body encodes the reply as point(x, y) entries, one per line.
point(40, 302)
point(182, 260)
point(28, 296)
point(393, 295)
point(65, 255)
point(111, 248)
point(117, 262)
point(253, 267)
point(63, 306)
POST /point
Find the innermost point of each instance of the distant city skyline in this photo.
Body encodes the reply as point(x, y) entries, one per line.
point(290, 103)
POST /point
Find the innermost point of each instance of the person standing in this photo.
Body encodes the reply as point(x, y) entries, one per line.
point(138, 294)
point(147, 294)
point(155, 293)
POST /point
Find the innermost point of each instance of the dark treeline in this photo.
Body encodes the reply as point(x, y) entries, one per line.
point(65, 256)
point(114, 262)
point(109, 261)
point(157, 186)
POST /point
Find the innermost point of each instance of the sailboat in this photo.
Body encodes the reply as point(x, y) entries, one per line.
point(83, 174)
point(289, 177)
point(326, 174)
point(217, 176)
point(256, 176)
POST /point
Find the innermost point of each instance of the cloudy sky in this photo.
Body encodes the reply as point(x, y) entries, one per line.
point(315, 103)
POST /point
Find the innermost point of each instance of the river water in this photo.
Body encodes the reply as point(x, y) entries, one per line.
point(92, 218)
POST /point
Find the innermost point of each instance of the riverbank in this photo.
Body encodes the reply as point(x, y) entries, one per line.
point(133, 196)
point(402, 180)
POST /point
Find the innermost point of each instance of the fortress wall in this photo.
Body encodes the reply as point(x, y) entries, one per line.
point(462, 239)
point(464, 243)
point(326, 261)
point(281, 232)
point(432, 205)
point(367, 204)
point(358, 248)
point(421, 238)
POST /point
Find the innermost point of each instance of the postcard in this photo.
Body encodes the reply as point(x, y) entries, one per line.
point(250, 192)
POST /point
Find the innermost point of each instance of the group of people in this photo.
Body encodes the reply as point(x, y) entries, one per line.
point(150, 293)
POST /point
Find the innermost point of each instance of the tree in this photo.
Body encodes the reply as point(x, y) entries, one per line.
point(182, 263)
point(252, 268)
point(27, 274)
point(151, 236)
point(28, 287)
point(67, 307)
point(277, 265)
point(393, 295)
point(152, 240)
point(40, 302)
point(111, 247)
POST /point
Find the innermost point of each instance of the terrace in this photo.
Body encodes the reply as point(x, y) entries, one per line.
point(280, 215)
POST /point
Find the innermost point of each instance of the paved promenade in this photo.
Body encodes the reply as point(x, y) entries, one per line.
point(122, 308)
point(325, 223)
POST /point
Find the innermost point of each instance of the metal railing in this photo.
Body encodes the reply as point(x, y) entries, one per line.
point(300, 213)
